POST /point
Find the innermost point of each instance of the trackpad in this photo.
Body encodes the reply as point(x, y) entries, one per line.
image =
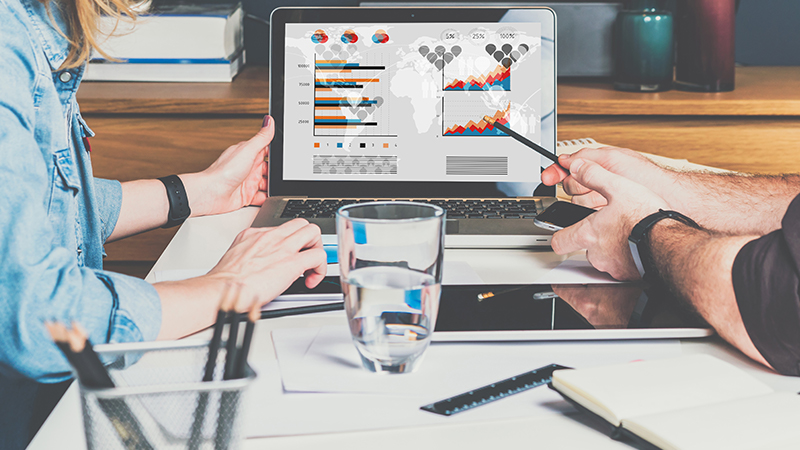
point(451, 226)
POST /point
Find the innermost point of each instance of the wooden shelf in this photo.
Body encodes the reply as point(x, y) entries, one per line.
point(760, 91)
point(247, 94)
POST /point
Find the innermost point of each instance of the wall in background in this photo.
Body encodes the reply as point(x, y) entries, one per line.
point(767, 33)
point(766, 30)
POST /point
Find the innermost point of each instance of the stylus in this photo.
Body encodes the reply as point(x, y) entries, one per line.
point(542, 151)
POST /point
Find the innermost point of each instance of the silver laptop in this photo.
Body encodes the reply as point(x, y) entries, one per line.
point(388, 104)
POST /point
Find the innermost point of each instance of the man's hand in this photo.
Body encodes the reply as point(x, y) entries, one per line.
point(604, 234)
point(236, 179)
point(620, 161)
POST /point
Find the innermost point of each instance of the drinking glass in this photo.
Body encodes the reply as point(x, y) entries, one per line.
point(390, 258)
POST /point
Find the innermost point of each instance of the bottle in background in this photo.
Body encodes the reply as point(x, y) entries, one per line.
point(705, 37)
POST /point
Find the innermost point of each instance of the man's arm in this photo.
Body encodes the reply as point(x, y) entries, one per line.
point(696, 265)
point(747, 287)
point(730, 203)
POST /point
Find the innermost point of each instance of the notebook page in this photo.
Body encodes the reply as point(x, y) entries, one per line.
point(764, 421)
point(571, 146)
point(648, 387)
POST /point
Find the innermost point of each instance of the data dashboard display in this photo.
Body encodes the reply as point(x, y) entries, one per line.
point(406, 102)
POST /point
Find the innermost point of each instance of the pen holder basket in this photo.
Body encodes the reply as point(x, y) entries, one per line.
point(160, 402)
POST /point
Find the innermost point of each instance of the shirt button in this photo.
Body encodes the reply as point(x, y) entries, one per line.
point(65, 77)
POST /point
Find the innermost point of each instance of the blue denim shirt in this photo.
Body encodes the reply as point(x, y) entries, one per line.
point(54, 215)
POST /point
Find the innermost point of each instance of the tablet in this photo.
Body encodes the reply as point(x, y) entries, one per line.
point(562, 312)
point(530, 312)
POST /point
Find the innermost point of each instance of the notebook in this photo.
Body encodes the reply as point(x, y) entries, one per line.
point(388, 104)
point(690, 402)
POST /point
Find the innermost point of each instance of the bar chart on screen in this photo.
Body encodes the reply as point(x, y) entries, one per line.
point(351, 98)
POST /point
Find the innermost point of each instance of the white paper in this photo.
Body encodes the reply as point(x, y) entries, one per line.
point(325, 360)
point(338, 395)
point(576, 270)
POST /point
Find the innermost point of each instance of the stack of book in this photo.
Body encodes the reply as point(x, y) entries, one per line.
point(174, 41)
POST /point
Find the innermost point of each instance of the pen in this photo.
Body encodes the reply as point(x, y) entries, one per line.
point(484, 295)
point(527, 142)
point(296, 311)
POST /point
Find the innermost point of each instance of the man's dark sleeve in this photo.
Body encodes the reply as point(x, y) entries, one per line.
point(766, 279)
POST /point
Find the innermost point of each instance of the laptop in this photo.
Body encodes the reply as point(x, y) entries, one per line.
point(388, 104)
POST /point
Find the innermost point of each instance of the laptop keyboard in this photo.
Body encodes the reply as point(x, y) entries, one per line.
point(456, 208)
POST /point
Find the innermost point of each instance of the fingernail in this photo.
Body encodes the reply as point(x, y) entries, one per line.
point(267, 120)
point(576, 165)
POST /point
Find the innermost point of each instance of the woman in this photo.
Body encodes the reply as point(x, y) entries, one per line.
point(55, 217)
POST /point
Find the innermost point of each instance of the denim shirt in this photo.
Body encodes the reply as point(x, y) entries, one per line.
point(54, 215)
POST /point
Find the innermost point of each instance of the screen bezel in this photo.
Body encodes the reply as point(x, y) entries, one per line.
point(382, 189)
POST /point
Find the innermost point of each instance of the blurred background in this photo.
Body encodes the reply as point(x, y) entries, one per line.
point(766, 30)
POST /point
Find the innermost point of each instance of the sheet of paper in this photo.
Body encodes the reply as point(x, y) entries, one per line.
point(325, 360)
point(576, 270)
point(326, 390)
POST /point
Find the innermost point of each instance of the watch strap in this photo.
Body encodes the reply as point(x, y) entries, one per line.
point(637, 240)
point(179, 209)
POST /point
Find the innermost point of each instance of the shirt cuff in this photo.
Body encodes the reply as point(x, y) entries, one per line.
point(109, 201)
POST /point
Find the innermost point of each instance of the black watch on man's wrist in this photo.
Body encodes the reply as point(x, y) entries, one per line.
point(179, 209)
point(637, 240)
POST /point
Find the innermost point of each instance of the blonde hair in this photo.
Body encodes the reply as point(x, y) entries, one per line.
point(83, 33)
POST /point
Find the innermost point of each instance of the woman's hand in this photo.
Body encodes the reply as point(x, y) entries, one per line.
point(236, 179)
point(266, 261)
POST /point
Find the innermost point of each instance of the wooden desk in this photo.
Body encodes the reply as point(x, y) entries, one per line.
point(145, 130)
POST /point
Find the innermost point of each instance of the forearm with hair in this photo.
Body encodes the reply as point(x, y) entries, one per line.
point(732, 203)
point(696, 264)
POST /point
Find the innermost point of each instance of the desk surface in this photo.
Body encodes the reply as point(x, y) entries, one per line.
point(760, 91)
point(201, 241)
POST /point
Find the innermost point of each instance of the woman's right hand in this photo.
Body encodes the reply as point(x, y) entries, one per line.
point(266, 261)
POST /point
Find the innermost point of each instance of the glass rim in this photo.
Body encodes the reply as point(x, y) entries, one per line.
point(439, 212)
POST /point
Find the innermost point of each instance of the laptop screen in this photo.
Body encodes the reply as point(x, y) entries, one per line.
point(404, 102)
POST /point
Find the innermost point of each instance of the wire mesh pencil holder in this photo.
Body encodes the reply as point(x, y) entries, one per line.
point(160, 402)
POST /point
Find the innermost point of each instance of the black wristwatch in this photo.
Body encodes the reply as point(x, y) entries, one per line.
point(179, 209)
point(637, 240)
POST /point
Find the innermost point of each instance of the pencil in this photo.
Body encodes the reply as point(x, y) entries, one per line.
point(225, 308)
point(241, 355)
point(228, 400)
point(79, 352)
point(530, 144)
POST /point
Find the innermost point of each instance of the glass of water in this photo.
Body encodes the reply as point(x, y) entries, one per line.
point(390, 257)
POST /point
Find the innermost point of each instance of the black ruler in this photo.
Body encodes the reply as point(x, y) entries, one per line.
point(494, 391)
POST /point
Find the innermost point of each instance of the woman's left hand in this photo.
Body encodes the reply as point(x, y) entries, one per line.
point(236, 179)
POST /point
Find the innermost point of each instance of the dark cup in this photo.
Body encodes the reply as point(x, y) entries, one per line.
point(643, 50)
point(705, 34)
